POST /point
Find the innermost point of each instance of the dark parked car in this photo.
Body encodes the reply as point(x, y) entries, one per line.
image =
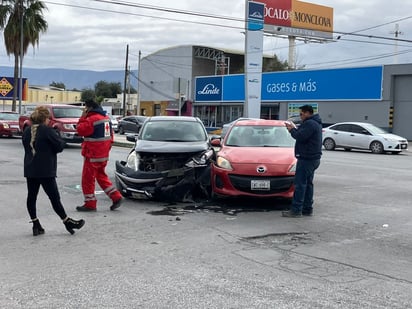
point(171, 161)
point(9, 124)
point(130, 124)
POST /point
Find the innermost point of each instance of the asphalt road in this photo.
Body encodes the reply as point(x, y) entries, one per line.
point(354, 253)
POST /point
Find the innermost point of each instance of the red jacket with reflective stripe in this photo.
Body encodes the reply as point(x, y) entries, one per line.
point(96, 129)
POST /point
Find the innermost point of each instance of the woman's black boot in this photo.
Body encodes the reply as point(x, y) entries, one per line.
point(73, 224)
point(37, 228)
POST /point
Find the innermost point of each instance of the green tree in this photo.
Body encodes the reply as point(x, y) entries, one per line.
point(105, 89)
point(274, 64)
point(58, 85)
point(88, 94)
point(11, 14)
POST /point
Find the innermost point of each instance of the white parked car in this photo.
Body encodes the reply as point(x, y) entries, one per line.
point(115, 123)
point(361, 135)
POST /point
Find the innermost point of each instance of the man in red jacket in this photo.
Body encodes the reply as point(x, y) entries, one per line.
point(94, 125)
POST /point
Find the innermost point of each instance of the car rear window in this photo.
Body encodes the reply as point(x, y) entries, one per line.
point(9, 116)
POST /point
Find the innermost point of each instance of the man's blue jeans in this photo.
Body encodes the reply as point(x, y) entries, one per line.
point(303, 196)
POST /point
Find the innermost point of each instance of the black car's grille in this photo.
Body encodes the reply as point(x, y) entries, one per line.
point(163, 162)
point(277, 184)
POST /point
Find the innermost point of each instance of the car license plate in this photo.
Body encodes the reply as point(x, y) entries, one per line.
point(260, 184)
point(139, 196)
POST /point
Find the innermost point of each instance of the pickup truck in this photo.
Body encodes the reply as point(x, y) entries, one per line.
point(63, 118)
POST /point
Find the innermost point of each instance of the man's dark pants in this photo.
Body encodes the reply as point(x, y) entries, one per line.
point(303, 196)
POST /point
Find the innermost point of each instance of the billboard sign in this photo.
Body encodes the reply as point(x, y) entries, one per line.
point(323, 85)
point(346, 84)
point(283, 15)
point(7, 89)
point(209, 89)
point(253, 58)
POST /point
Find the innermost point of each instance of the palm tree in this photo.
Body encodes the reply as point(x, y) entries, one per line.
point(33, 24)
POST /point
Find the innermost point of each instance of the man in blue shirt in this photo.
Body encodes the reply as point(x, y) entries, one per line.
point(308, 150)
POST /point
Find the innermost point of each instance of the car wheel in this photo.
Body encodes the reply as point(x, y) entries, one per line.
point(329, 144)
point(376, 147)
point(121, 130)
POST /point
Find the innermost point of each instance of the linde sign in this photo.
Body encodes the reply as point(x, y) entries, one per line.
point(298, 14)
point(209, 89)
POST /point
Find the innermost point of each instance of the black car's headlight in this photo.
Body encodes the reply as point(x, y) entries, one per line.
point(133, 161)
point(203, 159)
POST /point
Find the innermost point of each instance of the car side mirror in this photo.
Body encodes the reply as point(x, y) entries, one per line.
point(132, 137)
point(215, 142)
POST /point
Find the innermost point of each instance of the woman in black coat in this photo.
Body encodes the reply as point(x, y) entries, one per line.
point(41, 145)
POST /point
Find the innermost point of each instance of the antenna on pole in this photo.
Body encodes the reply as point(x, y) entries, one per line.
point(396, 33)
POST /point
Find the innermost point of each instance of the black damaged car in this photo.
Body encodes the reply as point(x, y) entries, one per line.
point(171, 161)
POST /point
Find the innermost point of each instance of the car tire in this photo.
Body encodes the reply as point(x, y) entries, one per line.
point(376, 147)
point(121, 130)
point(329, 144)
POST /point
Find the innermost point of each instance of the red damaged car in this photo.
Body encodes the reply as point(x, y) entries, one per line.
point(9, 124)
point(256, 159)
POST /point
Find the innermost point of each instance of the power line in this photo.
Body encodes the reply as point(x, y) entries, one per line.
point(232, 19)
point(151, 16)
point(168, 10)
point(380, 25)
point(219, 17)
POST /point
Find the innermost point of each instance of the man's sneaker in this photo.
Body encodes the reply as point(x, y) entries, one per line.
point(291, 214)
point(85, 209)
point(116, 204)
point(307, 213)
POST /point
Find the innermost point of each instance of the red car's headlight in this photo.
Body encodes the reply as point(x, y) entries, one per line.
point(223, 163)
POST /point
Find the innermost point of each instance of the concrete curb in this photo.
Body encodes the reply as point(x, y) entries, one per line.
point(123, 144)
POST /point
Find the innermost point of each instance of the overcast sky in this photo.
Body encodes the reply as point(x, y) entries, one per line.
point(93, 34)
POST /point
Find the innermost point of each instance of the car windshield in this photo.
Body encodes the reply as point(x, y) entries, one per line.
point(177, 131)
point(259, 136)
point(67, 112)
point(9, 116)
point(374, 129)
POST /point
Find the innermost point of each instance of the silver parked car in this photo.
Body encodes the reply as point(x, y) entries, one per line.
point(361, 135)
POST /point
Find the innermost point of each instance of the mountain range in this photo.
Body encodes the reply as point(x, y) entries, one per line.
point(72, 79)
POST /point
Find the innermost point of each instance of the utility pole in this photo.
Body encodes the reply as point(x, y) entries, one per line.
point(21, 54)
point(179, 104)
point(126, 73)
point(129, 101)
point(138, 84)
point(396, 33)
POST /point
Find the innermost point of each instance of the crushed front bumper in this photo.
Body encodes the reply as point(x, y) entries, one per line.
point(182, 184)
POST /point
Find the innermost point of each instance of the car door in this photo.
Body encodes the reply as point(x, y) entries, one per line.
point(359, 137)
point(129, 124)
point(340, 133)
point(133, 125)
